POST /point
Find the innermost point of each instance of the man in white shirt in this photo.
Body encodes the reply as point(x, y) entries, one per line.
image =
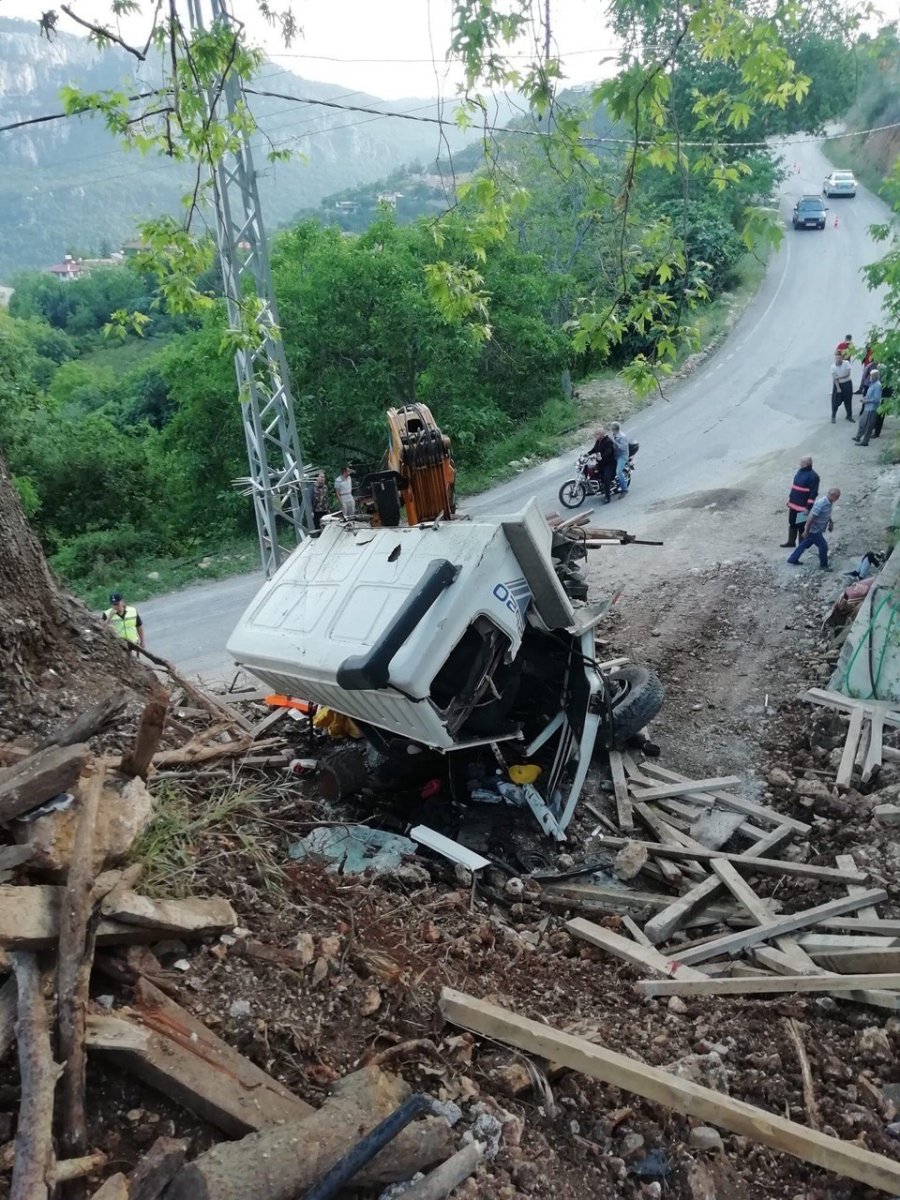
point(841, 387)
point(818, 523)
point(343, 487)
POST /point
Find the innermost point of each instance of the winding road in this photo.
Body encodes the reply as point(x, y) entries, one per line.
point(716, 455)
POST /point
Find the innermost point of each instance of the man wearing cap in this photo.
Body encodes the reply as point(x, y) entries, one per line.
point(125, 620)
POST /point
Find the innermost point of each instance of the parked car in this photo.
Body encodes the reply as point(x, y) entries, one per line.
point(840, 183)
point(809, 213)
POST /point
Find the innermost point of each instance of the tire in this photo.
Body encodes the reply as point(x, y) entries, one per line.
point(637, 697)
point(571, 494)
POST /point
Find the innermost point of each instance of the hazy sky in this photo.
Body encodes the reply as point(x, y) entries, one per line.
point(386, 50)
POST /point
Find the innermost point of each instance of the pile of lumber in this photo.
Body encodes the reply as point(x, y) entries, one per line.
point(864, 750)
point(712, 933)
point(69, 911)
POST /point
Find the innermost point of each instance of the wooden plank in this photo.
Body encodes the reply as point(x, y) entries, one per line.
point(689, 785)
point(749, 808)
point(873, 756)
point(669, 836)
point(770, 983)
point(663, 924)
point(691, 811)
point(614, 901)
point(167, 1047)
point(731, 943)
point(849, 962)
point(828, 943)
point(768, 866)
point(39, 778)
point(660, 1087)
point(786, 964)
point(620, 787)
point(848, 758)
point(849, 704)
point(846, 862)
point(629, 951)
point(883, 926)
point(632, 926)
point(742, 892)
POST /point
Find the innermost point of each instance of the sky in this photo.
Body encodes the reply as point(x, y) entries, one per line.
point(393, 50)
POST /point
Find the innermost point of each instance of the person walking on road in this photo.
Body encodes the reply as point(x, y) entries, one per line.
point(620, 444)
point(125, 620)
point(870, 406)
point(343, 487)
point(841, 387)
point(818, 521)
point(804, 493)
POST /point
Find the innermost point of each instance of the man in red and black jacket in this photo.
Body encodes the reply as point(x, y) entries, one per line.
point(804, 491)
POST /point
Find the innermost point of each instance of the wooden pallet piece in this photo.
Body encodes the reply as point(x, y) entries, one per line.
point(663, 924)
point(631, 952)
point(691, 811)
point(661, 1087)
point(766, 866)
point(620, 787)
point(762, 985)
point(732, 943)
point(849, 704)
point(708, 798)
point(851, 745)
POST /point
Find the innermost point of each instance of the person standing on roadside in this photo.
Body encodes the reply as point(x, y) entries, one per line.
point(620, 444)
point(845, 346)
point(804, 493)
point(343, 487)
point(870, 405)
point(319, 499)
point(841, 387)
point(817, 523)
point(125, 620)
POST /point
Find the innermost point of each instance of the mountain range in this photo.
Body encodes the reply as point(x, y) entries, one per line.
point(69, 186)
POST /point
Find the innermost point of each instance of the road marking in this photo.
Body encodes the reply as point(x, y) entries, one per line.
point(787, 263)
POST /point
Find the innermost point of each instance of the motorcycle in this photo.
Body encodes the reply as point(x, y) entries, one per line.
point(587, 480)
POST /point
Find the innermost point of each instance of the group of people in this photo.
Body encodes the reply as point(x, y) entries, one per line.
point(343, 489)
point(809, 515)
point(871, 389)
point(611, 451)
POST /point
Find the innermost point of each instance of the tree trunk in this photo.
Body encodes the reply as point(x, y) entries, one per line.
point(42, 626)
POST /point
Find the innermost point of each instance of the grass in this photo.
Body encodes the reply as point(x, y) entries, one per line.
point(157, 575)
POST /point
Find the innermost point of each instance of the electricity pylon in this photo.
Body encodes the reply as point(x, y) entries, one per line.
point(277, 479)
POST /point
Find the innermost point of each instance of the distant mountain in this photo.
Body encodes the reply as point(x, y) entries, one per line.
point(68, 186)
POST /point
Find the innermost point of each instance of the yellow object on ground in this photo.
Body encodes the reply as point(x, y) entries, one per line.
point(522, 773)
point(335, 724)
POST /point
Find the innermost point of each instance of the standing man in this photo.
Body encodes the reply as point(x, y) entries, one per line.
point(343, 487)
point(845, 346)
point(125, 620)
point(804, 492)
point(620, 443)
point(870, 404)
point(319, 500)
point(818, 521)
point(841, 387)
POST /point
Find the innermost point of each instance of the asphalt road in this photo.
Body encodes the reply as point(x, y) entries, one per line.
point(733, 429)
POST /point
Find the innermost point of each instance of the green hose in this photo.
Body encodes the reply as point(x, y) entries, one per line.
point(874, 677)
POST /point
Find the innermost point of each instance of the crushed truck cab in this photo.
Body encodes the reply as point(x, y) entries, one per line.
point(447, 635)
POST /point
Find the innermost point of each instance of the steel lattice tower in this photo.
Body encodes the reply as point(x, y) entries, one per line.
point(277, 476)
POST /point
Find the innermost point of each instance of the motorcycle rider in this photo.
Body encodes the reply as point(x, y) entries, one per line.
point(605, 450)
point(620, 442)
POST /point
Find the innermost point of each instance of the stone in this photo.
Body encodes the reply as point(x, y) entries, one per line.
point(239, 1009)
point(701, 1183)
point(704, 1137)
point(815, 789)
point(714, 828)
point(874, 1043)
point(513, 1079)
point(514, 887)
point(126, 809)
point(630, 861)
point(708, 1069)
point(631, 1145)
point(778, 778)
point(676, 1005)
point(887, 814)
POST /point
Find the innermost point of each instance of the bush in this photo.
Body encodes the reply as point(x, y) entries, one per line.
point(99, 553)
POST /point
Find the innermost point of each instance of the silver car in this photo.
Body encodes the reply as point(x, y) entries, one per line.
point(840, 183)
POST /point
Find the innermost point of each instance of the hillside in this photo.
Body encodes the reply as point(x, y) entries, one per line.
point(69, 186)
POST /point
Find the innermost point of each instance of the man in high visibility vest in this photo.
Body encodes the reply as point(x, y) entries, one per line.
point(125, 620)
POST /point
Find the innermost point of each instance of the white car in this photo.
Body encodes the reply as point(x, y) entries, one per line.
point(840, 183)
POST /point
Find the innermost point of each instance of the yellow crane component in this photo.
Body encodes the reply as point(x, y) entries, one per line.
point(420, 454)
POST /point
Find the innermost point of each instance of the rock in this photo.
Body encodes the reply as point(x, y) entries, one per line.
point(371, 1002)
point(239, 1009)
point(707, 1069)
point(651, 1191)
point(306, 948)
point(701, 1183)
point(815, 789)
point(676, 1005)
point(874, 1043)
point(330, 947)
point(704, 1137)
point(631, 1145)
point(410, 873)
point(565, 862)
point(713, 828)
point(514, 887)
point(780, 779)
point(513, 1079)
point(630, 861)
point(125, 810)
point(887, 814)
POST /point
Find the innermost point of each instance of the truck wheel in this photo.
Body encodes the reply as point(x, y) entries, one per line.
point(571, 494)
point(637, 696)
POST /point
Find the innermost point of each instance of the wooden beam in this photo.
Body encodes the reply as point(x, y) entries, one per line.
point(604, 898)
point(731, 943)
point(850, 704)
point(770, 983)
point(689, 785)
point(633, 928)
point(874, 752)
point(749, 808)
point(620, 787)
point(885, 958)
point(669, 836)
point(768, 866)
point(846, 862)
point(629, 951)
point(39, 778)
point(661, 1087)
point(851, 744)
point(882, 927)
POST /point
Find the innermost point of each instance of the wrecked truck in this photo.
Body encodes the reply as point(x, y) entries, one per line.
point(458, 638)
